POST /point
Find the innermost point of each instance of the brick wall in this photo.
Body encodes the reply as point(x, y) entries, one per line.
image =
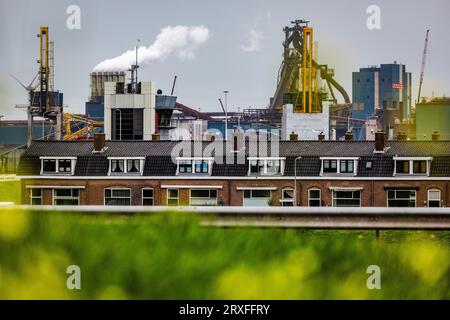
point(373, 192)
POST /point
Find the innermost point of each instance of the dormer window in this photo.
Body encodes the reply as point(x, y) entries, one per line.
point(58, 165)
point(339, 166)
point(412, 166)
point(194, 165)
point(118, 166)
point(266, 166)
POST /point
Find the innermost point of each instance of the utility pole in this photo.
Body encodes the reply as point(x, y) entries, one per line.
point(226, 114)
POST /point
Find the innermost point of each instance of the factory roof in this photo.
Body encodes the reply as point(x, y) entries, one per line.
point(158, 155)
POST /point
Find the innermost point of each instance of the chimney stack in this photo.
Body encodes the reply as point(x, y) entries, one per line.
point(348, 136)
point(380, 141)
point(155, 136)
point(99, 142)
point(321, 136)
point(293, 136)
point(402, 136)
point(435, 136)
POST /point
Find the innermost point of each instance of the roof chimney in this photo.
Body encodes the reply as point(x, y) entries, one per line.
point(402, 136)
point(435, 136)
point(155, 136)
point(348, 136)
point(321, 136)
point(99, 142)
point(380, 141)
point(293, 136)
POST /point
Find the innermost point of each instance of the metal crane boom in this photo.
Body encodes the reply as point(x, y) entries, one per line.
point(422, 69)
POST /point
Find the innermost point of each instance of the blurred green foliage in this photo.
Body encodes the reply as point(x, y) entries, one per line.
point(10, 191)
point(170, 256)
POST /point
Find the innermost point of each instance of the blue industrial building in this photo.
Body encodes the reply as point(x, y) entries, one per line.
point(384, 87)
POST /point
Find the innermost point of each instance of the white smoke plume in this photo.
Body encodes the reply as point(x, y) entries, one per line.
point(181, 41)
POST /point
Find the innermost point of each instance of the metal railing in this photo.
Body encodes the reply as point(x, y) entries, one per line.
point(375, 218)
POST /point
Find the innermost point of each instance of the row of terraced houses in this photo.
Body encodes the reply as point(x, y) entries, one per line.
point(304, 173)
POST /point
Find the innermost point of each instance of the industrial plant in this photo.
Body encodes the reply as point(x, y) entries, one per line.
point(308, 103)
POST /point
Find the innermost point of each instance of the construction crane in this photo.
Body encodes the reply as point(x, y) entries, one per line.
point(422, 69)
point(81, 133)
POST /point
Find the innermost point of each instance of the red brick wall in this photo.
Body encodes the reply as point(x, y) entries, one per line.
point(373, 193)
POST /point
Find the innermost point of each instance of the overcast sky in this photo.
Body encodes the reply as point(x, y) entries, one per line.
point(243, 52)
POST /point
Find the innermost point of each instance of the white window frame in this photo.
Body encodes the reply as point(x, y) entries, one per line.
point(55, 197)
point(320, 196)
point(125, 166)
point(350, 190)
point(36, 197)
point(395, 190)
point(287, 200)
point(282, 161)
point(428, 197)
point(116, 188)
point(153, 196)
point(338, 165)
point(193, 160)
point(73, 161)
point(411, 166)
point(204, 198)
point(168, 198)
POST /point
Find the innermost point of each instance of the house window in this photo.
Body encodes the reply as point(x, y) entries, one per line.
point(266, 166)
point(133, 166)
point(65, 166)
point(314, 197)
point(257, 198)
point(419, 167)
point(201, 166)
point(401, 198)
point(346, 198)
point(35, 197)
point(194, 165)
point(185, 166)
point(62, 166)
point(117, 197)
point(346, 166)
point(172, 197)
point(66, 197)
point(126, 166)
point(203, 197)
point(287, 197)
point(273, 166)
point(147, 197)
point(330, 166)
point(402, 167)
point(412, 166)
point(49, 165)
point(434, 198)
point(117, 166)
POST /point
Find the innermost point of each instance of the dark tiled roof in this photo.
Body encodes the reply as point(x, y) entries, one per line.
point(158, 155)
point(29, 166)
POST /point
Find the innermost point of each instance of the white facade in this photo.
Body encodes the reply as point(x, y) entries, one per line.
point(306, 125)
point(145, 100)
point(189, 130)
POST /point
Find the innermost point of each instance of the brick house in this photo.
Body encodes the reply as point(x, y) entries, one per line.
point(307, 173)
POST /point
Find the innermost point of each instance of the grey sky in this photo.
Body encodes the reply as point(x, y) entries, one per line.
point(230, 59)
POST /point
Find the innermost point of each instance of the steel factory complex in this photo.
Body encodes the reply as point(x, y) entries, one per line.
point(312, 145)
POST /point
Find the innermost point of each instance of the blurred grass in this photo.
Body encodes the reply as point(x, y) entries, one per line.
point(10, 191)
point(169, 256)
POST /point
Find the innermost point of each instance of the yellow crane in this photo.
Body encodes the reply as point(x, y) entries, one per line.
point(89, 127)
